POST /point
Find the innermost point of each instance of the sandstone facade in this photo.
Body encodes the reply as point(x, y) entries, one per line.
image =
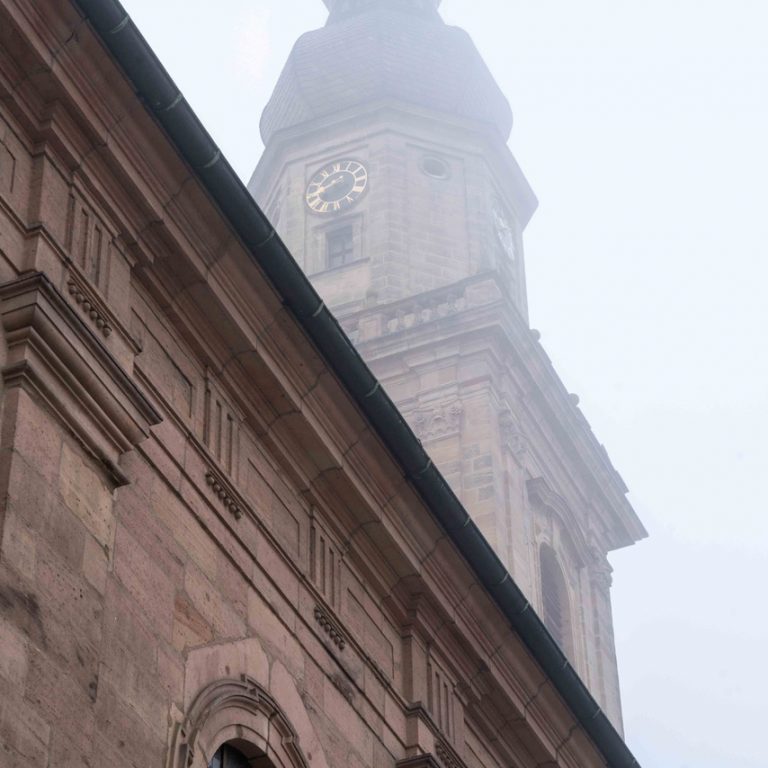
point(203, 539)
point(432, 291)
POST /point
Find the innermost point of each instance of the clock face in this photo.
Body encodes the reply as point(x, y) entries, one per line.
point(337, 187)
point(504, 233)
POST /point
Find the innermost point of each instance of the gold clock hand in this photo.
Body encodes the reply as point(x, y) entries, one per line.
point(333, 183)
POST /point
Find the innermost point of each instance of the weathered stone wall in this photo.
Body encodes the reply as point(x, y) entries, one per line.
point(200, 538)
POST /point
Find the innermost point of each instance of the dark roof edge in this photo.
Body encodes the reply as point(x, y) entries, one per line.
point(160, 94)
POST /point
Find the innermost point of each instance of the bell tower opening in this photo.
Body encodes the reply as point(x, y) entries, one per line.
point(556, 604)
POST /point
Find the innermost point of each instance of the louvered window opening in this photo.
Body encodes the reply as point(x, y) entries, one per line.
point(555, 600)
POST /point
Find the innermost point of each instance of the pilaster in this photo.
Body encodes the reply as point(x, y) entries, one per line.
point(55, 357)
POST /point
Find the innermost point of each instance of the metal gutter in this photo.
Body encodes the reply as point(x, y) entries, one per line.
point(161, 96)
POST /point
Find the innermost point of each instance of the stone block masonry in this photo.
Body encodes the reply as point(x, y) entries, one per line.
point(202, 540)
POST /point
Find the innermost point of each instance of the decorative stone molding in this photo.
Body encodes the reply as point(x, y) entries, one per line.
point(600, 570)
point(225, 492)
point(422, 310)
point(89, 304)
point(439, 421)
point(330, 627)
point(59, 360)
point(420, 761)
point(425, 732)
point(447, 755)
point(221, 426)
point(325, 558)
point(512, 437)
point(343, 687)
point(440, 694)
point(541, 494)
point(379, 673)
point(230, 709)
point(375, 320)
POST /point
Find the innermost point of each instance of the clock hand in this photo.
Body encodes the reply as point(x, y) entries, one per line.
point(333, 183)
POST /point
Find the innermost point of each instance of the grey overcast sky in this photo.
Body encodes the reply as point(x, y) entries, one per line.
point(643, 128)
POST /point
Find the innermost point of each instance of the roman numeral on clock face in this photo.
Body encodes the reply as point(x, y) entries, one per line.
point(336, 187)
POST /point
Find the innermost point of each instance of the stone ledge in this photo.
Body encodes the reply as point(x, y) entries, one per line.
point(56, 357)
point(420, 761)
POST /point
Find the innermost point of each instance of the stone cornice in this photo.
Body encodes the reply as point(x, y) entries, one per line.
point(474, 306)
point(55, 356)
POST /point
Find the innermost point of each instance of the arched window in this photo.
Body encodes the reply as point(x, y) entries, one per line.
point(229, 757)
point(235, 723)
point(554, 594)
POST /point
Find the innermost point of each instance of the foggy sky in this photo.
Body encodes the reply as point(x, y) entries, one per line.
point(642, 127)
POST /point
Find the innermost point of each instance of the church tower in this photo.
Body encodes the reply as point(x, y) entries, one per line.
point(387, 174)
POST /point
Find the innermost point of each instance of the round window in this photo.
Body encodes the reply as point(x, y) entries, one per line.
point(435, 167)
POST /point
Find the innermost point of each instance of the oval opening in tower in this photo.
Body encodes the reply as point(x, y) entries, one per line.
point(435, 167)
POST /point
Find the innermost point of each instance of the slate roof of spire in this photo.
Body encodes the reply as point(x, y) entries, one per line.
point(353, 6)
point(385, 50)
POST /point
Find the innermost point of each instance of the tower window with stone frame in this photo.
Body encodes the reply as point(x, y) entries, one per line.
point(340, 246)
point(555, 601)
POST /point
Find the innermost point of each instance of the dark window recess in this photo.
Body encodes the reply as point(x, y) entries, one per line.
point(435, 167)
point(340, 245)
point(555, 598)
point(229, 757)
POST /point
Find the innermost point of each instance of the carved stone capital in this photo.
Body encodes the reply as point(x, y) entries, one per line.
point(600, 570)
point(58, 358)
point(603, 580)
point(438, 421)
point(512, 437)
